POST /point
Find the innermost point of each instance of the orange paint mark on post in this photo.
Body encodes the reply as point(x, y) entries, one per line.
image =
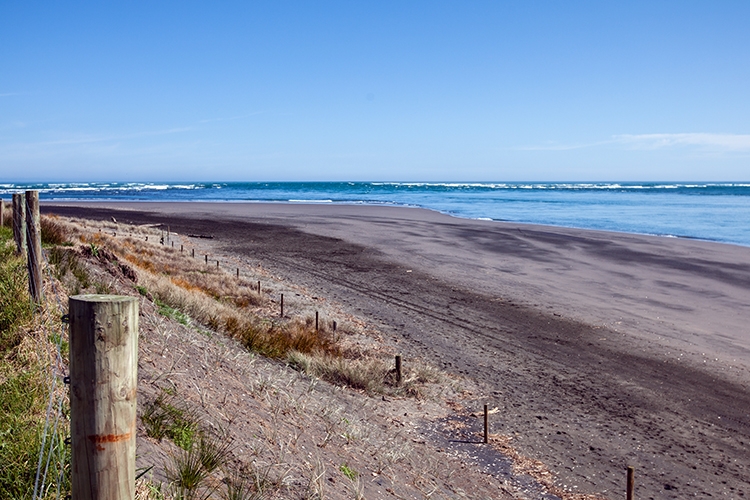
point(110, 438)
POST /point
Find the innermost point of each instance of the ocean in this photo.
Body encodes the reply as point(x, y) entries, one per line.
point(708, 211)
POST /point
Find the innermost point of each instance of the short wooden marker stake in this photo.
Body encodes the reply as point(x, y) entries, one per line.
point(258, 287)
point(398, 369)
point(193, 253)
point(316, 321)
point(217, 264)
point(486, 424)
point(206, 258)
point(282, 305)
point(238, 272)
point(180, 248)
point(631, 483)
point(334, 326)
point(103, 387)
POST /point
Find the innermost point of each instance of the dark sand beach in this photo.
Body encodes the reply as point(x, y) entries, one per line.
point(601, 350)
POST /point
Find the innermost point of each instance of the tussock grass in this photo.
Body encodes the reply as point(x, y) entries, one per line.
point(372, 375)
point(53, 232)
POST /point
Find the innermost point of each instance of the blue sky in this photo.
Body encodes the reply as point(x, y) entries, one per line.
point(351, 90)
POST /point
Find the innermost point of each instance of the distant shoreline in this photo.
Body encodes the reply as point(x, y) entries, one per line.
point(132, 204)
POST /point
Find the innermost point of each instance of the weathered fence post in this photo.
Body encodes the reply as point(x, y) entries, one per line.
point(486, 424)
point(316, 321)
point(19, 224)
point(34, 245)
point(631, 483)
point(103, 383)
point(2, 212)
point(282, 305)
point(398, 368)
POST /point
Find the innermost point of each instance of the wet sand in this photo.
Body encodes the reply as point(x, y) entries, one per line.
point(601, 350)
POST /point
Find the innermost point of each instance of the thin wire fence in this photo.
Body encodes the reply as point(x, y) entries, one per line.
point(54, 453)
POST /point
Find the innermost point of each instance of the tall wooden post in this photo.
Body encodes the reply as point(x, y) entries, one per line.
point(103, 383)
point(398, 367)
point(19, 224)
point(2, 212)
point(34, 245)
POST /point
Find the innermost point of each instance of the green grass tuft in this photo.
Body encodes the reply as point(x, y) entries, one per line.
point(15, 305)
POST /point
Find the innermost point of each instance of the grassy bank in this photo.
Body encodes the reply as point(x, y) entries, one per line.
point(26, 342)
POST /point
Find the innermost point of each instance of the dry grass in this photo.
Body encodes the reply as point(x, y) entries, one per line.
point(370, 374)
point(225, 303)
point(53, 232)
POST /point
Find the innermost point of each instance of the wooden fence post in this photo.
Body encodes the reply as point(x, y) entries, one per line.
point(398, 368)
point(34, 245)
point(282, 305)
point(486, 424)
point(103, 383)
point(2, 212)
point(19, 224)
point(631, 484)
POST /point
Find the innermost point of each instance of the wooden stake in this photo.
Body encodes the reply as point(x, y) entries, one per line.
point(193, 252)
point(486, 424)
point(19, 224)
point(103, 383)
point(398, 369)
point(282, 305)
point(2, 212)
point(217, 264)
point(334, 326)
point(631, 483)
point(316, 321)
point(238, 272)
point(258, 287)
point(34, 245)
point(206, 258)
point(180, 248)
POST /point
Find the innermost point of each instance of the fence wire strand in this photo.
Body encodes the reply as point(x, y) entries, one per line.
point(52, 446)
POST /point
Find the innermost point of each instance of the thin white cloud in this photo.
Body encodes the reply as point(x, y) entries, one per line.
point(720, 142)
point(704, 141)
point(87, 139)
point(209, 120)
point(552, 146)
